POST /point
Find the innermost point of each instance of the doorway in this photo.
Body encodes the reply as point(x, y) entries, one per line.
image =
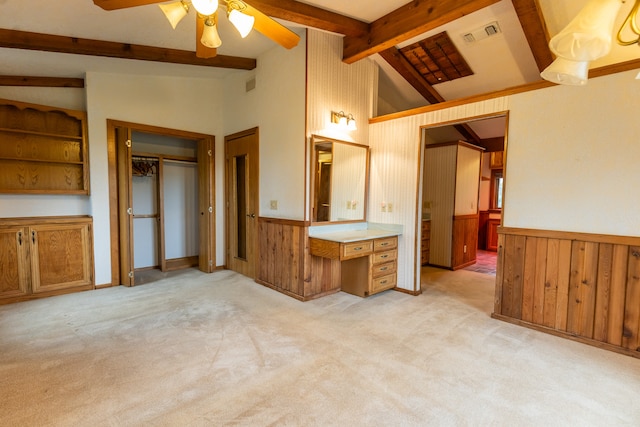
point(161, 193)
point(242, 199)
point(489, 133)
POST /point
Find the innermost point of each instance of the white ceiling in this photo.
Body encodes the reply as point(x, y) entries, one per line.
point(498, 62)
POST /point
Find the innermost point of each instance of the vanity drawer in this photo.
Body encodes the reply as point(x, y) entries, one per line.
point(383, 283)
point(384, 269)
point(356, 249)
point(384, 244)
point(386, 256)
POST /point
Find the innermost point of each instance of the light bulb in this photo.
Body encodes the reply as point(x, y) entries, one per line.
point(205, 7)
point(242, 22)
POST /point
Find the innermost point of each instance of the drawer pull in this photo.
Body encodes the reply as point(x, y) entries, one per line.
point(384, 256)
point(384, 268)
point(384, 244)
point(383, 282)
point(359, 248)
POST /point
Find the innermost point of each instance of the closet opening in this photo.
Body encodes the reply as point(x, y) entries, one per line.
point(163, 221)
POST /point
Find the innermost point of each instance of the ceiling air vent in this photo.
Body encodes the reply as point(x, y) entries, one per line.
point(483, 32)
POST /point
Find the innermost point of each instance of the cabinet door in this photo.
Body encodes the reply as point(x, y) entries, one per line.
point(61, 256)
point(13, 264)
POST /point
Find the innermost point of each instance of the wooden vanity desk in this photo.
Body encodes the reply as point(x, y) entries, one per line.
point(367, 259)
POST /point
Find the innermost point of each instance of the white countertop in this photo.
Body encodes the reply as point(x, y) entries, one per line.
point(347, 236)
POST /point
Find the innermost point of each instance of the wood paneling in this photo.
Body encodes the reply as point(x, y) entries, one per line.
point(285, 263)
point(574, 284)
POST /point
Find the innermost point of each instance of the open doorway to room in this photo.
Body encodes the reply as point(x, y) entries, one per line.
point(462, 188)
point(161, 192)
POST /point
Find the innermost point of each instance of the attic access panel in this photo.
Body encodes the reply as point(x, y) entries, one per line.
point(437, 59)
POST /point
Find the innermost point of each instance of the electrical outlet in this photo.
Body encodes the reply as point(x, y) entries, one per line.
point(348, 204)
point(389, 207)
point(274, 205)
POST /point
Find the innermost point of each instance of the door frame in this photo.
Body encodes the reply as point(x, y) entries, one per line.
point(227, 197)
point(206, 191)
point(420, 180)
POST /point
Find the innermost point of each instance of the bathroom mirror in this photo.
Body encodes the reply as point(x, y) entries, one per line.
point(339, 180)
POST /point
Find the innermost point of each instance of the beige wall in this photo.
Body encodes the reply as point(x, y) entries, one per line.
point(277, 107)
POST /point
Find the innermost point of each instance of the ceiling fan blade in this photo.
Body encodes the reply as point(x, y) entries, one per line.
point(202, 51)
point(271, 28)
point(123, 4)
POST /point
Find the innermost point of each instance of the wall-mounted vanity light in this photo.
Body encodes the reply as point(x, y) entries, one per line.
point(344, 121)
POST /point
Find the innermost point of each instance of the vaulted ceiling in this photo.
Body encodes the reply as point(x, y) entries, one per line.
point(492, 44)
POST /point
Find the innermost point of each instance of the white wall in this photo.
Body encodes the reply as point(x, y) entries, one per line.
point(277, 106)
point(573, 158)
point(178, 103)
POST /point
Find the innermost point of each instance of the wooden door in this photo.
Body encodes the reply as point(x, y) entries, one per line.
point(242, 201)
point(206, 222)
point(13, 261)
point(125, 204)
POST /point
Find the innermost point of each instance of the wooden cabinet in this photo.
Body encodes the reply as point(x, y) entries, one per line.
point(366, 266)
point(42, 149)
point(451, 190)
point(425, 242)
point(492, 234)
point(465, 241)
point(496, 160)
point(44, 256)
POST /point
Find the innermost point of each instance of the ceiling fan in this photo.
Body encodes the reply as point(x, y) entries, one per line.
point(243, 16)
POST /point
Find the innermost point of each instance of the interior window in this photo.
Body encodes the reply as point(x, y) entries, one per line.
point(496, 189)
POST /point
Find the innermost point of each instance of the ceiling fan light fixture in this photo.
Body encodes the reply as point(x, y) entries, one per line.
point(174, 12)
point(242, 22)
point(205, 7)
point(210, 37)
point(566, 72)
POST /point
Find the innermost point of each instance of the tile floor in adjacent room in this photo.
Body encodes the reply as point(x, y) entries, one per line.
point(485, 262)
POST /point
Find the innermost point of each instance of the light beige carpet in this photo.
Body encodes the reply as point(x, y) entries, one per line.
point(219, 349)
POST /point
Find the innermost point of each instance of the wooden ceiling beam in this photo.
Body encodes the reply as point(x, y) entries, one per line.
point(535, 30)
point(410, 20)
point(41, 81)
point(399, 63)
point(311, 16)
point(493, 144)
point(419, 83)
point(62, 44)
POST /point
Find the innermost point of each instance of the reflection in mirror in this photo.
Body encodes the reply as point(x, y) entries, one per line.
point(340, 175)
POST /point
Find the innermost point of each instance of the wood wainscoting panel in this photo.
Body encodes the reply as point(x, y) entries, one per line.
point(585, 287)
point(286, 264)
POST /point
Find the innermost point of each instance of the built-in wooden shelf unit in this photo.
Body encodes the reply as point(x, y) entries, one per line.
point(43, 150)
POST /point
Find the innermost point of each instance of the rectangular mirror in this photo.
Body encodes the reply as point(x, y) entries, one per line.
point(339, 181)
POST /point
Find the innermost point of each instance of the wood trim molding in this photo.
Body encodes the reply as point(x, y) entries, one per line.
point(595, 73)
point(570, 235)
point(63, 44)
point(284, 221)
point(34, 81)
